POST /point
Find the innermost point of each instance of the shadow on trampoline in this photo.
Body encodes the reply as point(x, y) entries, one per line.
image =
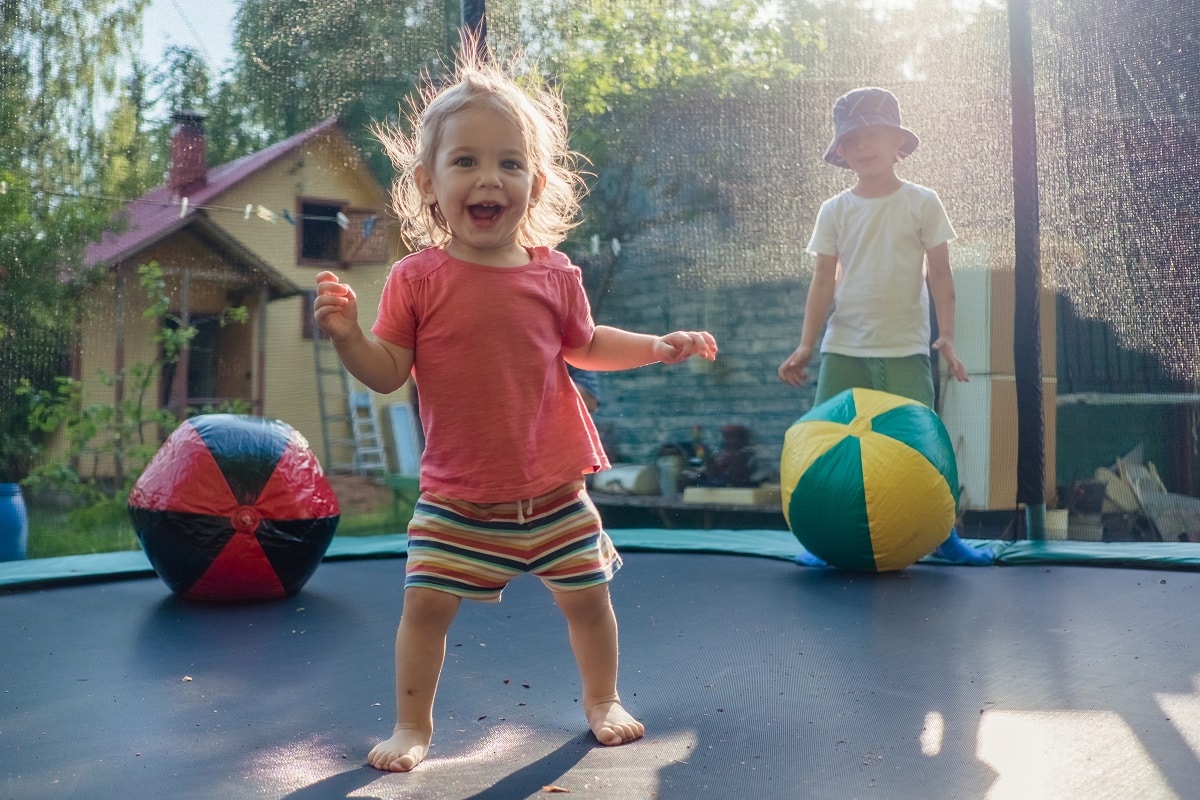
point(526, 781)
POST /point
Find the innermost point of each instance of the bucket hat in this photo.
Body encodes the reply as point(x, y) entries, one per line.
point(861, 108)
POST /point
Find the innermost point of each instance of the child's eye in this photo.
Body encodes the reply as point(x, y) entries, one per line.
point(464, 161)
point(513, 165)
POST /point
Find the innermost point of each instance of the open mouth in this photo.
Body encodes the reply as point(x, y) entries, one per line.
point(485, 212)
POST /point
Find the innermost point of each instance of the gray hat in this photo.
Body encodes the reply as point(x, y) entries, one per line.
point(862, 108)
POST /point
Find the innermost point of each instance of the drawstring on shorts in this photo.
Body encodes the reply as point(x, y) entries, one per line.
point(521, 510)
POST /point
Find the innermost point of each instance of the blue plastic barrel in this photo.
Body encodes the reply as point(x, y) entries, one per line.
point(14, 523)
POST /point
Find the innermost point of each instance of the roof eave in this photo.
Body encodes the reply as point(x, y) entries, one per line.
point(241, 257)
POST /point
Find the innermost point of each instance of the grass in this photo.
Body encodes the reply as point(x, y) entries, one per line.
point(56, 531)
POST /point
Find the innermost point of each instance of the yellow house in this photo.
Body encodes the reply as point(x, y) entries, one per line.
point(252, 233)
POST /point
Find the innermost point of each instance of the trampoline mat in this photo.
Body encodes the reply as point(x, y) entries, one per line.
point(755, 678)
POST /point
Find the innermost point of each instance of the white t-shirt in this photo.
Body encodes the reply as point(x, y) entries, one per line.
point(881, 303)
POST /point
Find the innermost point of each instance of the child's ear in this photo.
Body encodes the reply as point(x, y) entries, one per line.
point(424, 183)
point(539, 183)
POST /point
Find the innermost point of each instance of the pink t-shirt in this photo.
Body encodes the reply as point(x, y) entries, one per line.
point(502, 419)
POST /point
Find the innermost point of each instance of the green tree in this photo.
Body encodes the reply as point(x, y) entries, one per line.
point(133, 157)
point(70, 52)
point(57, 59)
point(618, 64)
point(137, 133)
point(230, 122)
point(307, 60)
point(36, 323)
point(626, 66)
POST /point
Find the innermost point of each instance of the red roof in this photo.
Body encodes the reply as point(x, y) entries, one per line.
point(155, 215)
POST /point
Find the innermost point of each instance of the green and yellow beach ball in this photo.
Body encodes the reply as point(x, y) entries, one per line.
point(869, 481)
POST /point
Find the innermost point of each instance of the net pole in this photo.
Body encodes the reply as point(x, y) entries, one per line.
point(473, 15)
point(1027, 348)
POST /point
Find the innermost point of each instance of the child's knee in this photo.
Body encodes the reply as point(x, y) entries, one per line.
point(429, 606)
point(592, 603)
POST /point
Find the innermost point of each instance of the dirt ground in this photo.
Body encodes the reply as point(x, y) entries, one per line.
point(360, 492)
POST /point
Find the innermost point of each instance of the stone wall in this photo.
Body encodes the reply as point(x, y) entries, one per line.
point(730, 191)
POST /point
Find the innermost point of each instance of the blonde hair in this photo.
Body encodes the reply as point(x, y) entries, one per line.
point(538, 112)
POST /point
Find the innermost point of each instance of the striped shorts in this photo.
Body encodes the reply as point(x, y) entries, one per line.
point(473, 550)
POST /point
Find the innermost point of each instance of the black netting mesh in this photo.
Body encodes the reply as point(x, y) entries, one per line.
point(704, 124)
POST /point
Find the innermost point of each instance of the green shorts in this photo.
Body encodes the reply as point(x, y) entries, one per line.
point(907, 376)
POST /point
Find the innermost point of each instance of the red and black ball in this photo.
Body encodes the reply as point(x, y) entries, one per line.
point(234, 507)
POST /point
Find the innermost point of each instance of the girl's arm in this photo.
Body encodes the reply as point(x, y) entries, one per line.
point(616, 349)
point(381, 366)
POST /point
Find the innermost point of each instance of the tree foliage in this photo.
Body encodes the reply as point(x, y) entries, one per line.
point(58, 58)
point(137, 134)
point(621, 63)
point(308, 60)
point(68, 52)
point(626, 67)
point(360, 60)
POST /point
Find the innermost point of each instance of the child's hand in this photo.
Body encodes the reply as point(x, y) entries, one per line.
point(946, 347)
point(794, 369)
point(336, 307)
point(677, 346)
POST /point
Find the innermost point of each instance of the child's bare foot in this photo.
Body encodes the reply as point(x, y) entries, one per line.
point(612, 725)
point(400, 753)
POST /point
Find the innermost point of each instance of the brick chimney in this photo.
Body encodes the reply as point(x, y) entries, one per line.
point(188, 170)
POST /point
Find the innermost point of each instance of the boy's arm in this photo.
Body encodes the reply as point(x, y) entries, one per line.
point(816, 314)
point(381, 366)
point(941, 287)
point(616, 349)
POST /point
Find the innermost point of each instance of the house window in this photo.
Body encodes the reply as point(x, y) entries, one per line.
point(320, 234)
point(331, 234)
point(203, 361)
point(203, 358)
